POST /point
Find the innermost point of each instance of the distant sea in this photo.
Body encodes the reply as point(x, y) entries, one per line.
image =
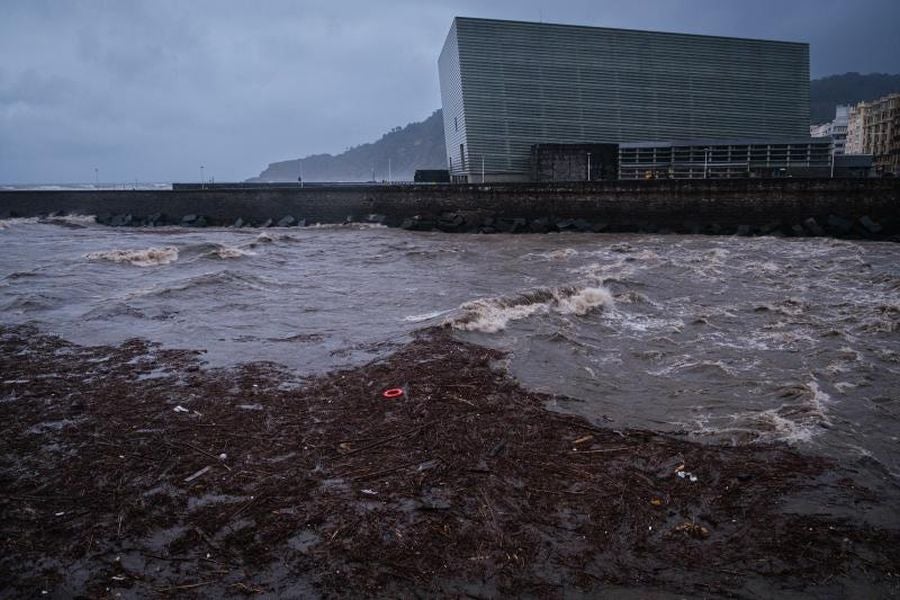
point(85, 186)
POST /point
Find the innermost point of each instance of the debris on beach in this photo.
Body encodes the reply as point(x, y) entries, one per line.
point(469, 487)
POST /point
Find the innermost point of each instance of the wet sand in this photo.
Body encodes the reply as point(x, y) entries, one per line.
point(134, 471)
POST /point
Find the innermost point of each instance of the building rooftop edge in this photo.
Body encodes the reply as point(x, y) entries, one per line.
point(672, 33)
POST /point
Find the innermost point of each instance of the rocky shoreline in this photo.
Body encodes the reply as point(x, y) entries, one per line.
point(134, 471)
point(457, 222)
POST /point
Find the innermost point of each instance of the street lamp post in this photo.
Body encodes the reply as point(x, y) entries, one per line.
point(202, 183)
point(589, 166)
point(482, 168)
point(96, 177)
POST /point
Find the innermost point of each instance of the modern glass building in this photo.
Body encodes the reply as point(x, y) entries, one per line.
point(508, 85)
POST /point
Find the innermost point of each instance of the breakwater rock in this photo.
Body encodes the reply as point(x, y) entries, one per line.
point(868, 208)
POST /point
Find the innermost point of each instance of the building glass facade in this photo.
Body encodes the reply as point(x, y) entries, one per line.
point(508, 85)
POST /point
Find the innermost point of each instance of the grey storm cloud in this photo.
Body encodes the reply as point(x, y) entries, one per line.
point(152, 90)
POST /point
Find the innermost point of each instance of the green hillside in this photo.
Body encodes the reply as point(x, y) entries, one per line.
point(849, 88)
point(416, 146)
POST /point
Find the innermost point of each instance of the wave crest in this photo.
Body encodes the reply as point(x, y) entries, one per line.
point(490, 315)
point(149, 257)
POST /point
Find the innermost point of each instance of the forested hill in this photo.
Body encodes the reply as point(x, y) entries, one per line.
point(416, 146)
point(421, 145)
point(849, 88)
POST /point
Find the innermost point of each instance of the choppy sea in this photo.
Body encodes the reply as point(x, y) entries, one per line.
point(724, 339)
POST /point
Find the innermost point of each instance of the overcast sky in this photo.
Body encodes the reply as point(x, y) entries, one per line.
point(151, 90)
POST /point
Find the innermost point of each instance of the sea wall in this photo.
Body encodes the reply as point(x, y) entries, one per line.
point(845, 207)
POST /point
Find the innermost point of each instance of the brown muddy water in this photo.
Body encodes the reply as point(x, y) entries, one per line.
point(723, 340)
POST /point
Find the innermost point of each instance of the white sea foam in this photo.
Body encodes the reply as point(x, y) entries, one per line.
point(7, 223)
point(77, 219)
point(149, 257)
point(562, 254)
point(221, 251)
point(425, 317)
point(490, 315)
point(800, 418)
point(622, 321)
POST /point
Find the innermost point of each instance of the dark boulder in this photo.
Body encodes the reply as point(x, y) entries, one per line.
point(541, 225)
point(581, 225)
point(418, 223)
point(771, 228)
point(450, 222)
point(813, 227)
point(121, 221)
point(869, 225)
point(511, 224)
point(839, 225)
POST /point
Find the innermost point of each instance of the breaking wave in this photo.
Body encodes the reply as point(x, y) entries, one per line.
point(490, 315)
point(562, 254)
point(230, 252)
point(214, 250)
point(149, 257)
point(269, 237)
point(801, 416)
point(424, 317)
point(13, 221)
point(71, 221)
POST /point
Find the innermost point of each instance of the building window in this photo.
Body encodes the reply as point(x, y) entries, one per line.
point(462, 156)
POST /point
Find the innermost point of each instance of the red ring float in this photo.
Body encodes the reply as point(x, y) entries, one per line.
point(393, 393)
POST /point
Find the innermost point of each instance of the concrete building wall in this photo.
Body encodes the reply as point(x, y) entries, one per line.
point(874, 128)
point(836, 129)
point(882, 123)
point(856, 140)
point(516, 84)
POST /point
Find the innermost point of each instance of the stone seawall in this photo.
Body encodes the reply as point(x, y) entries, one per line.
point(843, 207)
